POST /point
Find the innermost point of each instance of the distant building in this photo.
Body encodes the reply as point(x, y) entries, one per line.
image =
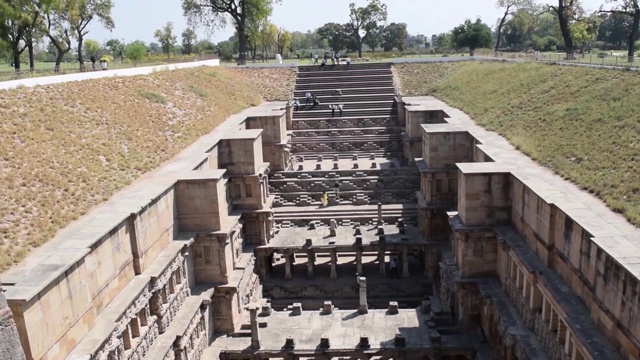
point(434, 40)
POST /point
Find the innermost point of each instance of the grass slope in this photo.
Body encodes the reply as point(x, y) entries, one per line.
point(65, 148)
point(583, 123)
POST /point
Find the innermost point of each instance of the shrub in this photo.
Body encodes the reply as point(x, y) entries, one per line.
point(151, 96)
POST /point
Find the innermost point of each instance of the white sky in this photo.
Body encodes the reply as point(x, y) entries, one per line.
point(138, 19)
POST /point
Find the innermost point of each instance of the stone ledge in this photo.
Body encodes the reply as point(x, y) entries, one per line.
point(577, 314)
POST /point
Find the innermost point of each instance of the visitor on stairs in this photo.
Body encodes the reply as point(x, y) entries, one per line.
point(323, 63)
point(316, 102)
point(338, 58)
point(333, 110)
point(336, 188)
point(393, 267)
point(315, 59)
point(307, 96)
point(340, 109)
point(324, 199)
point(296, 105)
point(348, 60)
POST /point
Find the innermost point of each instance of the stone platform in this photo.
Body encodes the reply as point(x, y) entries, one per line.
point(346, 333)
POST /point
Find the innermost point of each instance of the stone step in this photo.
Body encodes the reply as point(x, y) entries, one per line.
point(342, 67)
point(346, 138)
point(364, 214)
point(386, 90)
point(344, 79)
point(345, 99)
point(345, 122)
point(297, 134)
point(326, 113)
point(348, 197)
point(344, 85)
point(310, 174)
point(344, 73)
point(354, 105)
point(369, 146)
point(361, 183)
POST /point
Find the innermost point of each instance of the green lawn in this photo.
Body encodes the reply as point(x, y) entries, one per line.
point(580, 122)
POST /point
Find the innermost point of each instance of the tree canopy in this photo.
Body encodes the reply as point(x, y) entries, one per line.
point(472, 35)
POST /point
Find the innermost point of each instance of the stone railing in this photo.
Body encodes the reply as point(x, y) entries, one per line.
point(170, 289)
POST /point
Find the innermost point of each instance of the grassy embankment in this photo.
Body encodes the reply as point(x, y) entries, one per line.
point(66, 148)
point(582, 123)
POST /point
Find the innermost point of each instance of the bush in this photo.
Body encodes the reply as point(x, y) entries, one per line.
point(151, 96)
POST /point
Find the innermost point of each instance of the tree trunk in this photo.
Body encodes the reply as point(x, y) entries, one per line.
point(633, 35)
point(360, 48)
point(80, 57)
point(32, 64)
point(564, 29)
point(59, 56)
point(16, 60)
point(499, 29)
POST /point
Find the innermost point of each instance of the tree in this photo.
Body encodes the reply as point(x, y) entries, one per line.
point(444, 41)
point(631, 9)
point(135, 51)
point(567, 11)
point(225, 50)
point(57, 27)
point(15, 21)
point(335, 35)
point(91, 48)
point(613, 29)
point(584, 32)
point(205, 47)
point(189, 39)
point(519, 30)
point(268, 37)
point(116, 48)
point(472, 35)
point(374, 38)
point(215, 14)
point(394, 35)
point(509, 6)
point(154, 48)
point(166, 38)
point(81, 15)
point(363, 20)
point(283, 41)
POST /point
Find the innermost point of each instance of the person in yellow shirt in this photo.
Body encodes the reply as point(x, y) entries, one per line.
point(325, 199)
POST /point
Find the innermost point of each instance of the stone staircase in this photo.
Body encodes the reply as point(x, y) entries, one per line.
point(361, 150)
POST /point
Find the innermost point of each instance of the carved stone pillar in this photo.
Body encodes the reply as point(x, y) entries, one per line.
point(405, 262)
point(253, 319)
point(263, 268)
point(363, 308)
point(359, 262)
point(383, 264)
point(287, 266)
point(334, 263)
point(311, 259)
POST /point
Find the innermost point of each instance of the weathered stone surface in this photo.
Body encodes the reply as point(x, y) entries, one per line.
point(10, 348)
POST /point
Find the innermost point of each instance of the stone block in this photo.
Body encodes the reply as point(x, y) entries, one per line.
point(308, 242)
point(425, 306)
point(335, 166)
point(400, 341)
point(296, 309)
point(327, 307)
point(393, 308)
point(265, 310)
point(435, 338)
point(318, 166)
point(324, 342)
point(364, 341)
point(358, 240)
point(289, 343)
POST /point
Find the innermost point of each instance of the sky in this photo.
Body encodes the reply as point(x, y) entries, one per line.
point(138, 19)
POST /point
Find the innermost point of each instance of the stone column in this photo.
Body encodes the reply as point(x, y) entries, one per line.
point(10, 348)
point(359, 261)
point(379, 213)
point(382, 263)
point(405, 262)
point(287, 265)
point(263, 268)
point(253, 319)
point(334, 263)
point(363, 308)
point(311, 258)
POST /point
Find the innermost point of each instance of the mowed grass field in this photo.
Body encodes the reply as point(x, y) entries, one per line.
point(582, 123)
point(66, 148)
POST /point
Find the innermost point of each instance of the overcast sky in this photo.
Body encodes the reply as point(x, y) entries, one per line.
point(138, 19)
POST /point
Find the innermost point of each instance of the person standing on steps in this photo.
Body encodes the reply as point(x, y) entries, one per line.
point(324, 199)
point(336, 188)
point(333, 110)
point(307, 96)
point(393, 267)
point(315, 59)
point(340, 109)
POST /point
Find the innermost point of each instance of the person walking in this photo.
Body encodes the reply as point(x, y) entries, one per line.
point(307, 97)
point(324, 199)
point(336, 188)
point(393, 267)
point(340, 109)
point(333, 110)
point(315, 59)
